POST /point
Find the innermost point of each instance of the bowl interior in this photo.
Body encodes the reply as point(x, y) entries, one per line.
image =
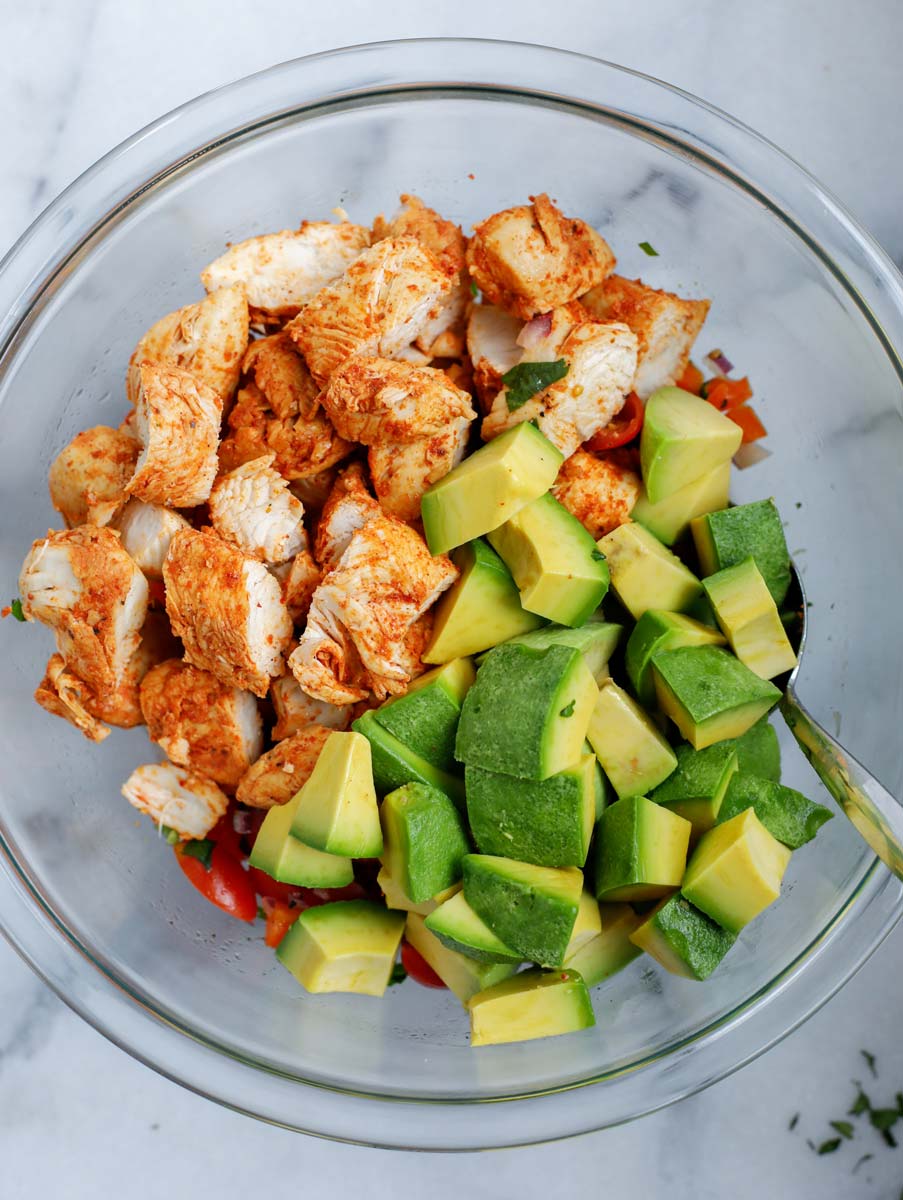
point(826, 389)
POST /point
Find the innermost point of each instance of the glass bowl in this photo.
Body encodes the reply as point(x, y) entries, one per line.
point(804, 302)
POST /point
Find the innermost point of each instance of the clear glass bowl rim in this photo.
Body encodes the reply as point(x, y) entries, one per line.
point(66, 230)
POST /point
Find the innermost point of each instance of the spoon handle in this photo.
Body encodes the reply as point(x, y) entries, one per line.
point(873, 810)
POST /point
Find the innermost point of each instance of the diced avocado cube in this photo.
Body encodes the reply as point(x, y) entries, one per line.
point(736, 870)
point(337, 811)
point(640, 851)
point(489, 487)
point(787, 814)
point(683, 438)
point(553, 560)
point(394, 764)
point(480, 609)
point(695, 791)
point(634, 755)
point(596, 641)
point(548, 822)
point(531, 909)
point(645, 574)
point(395, 897)
point(463, 976)
point(457, 926)
point(346, 946)
point(682, 939)
point(749, 618)
point(425, 841)
point(655, 631)
point(604, 792)
point(283, 857)
point(610, 949)
point(726, 538)
point(700, 610)
point(709, 694)
point(426, 718)
point(759, 752)
point(533, 1004)
point(527, 713)
point(588, 924)
point(671, 517)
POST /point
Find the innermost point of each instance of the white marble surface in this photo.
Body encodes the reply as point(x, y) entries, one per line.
point(77, 1117)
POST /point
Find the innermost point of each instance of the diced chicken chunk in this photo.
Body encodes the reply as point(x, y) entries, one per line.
point(373, 400)
point(303, 446)
point(295, 710)
point(284, 770)
point(282, 375)
point(599, 490)
point(362, 612)
point(63, 694)
point(493, 348)
point(348, 509)
point(84, 585)
point(299, 579)
point(380, 305)
point(178, 420)
point(313, 491)
point(280, 272)
point(531, 259)
point(146, 531)
point(402, 471)
point(200, 722)
point(665, 325)
point(253, 508)
point(227, 609)
point(208, 339)
point(178, 798)
point(88, 478)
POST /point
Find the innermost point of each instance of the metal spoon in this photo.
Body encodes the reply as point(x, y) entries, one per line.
point(873, 810)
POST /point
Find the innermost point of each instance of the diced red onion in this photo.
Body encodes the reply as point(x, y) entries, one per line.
point(536, 330)
point(721, 365)
point(243, 822)
point(749, 455)
point(267, 903)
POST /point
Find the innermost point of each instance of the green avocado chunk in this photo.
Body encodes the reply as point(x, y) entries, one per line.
point(749, 618)
point(596, 641)
point(645, 574)
point(457, 926)
point(759, 752)
point(426, 718)
point(463, 976)
point(527, 713)
point(534, 1004)
point(634, 755)
point(531, 909)
point(639, 851)
point(395, 764)
point(480, 609)
point(682, 939)
point(610, 950)
point(554, 561)
point(655, 631)
point(683, 438)
point(425, 841)
point(346, 946)
point(785, 813)
point(337, 810)
point(726, 538)
point(548, 822)
point(286, 859)
point(696, 789)
point(671, 517)
point(709, 694)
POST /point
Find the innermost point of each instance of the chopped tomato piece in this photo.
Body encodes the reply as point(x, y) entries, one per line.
point(746, 418)
point(280, 919)
point(418, 968)
point(727, 394)
point(224, 883)
point(223, 834)
point(691, 380)
point(620, 429)
point(269, 888)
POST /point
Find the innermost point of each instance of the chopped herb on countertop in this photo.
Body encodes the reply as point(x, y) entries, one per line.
point(648, 248)
point(870, 1060)
point(399, 975)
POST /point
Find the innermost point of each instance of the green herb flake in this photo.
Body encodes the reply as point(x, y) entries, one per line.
point(399, 975)
point(261, 913)
point(169, 835)
point(794, 1121)
point(883, 1119)
point(829, 1146)
point(899, 1099)
point(199, 848)
point(859, 1161)
point(15, 607)
point(861, 1104)
point(844, 1128)
point(870, 1060)
point(568, 710)
point(526, 379)
point(597, 556)
point(474, 290)
point(648, 248)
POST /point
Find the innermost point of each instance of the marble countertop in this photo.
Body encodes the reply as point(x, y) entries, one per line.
point(80, 1119)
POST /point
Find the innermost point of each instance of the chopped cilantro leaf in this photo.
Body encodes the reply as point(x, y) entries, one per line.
point(597, 556)
point(169, 835)
point(15, 607)
point(526, 379)
point(199, 848)
point(474, 290)
point(861, 1104)
point(844, 1128)
point(261, 913)
point(870, 1060)
point(859, 1161)
point(794, 1121)
point(829, 1146)
point(648, 248)
point(883, 1119)
point(899, 1099)
point(399, 975)
point(568, 710)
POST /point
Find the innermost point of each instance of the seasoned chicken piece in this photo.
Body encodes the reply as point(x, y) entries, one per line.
point(208, 339)
point(295, 710)
point(178, 420)
point(380, 305)
point(493, 348)
point(88, 478)
point(303, 446)
point(173, 796)
point(361, 613)
point(402, 471)
point(253, 508)
point(146, 531)
point(598, 490)
point(601, 362)
point(532, 258)
point(63, 694)
point(373, 400)
point(280, 272)
point(83, 584)
point(348, 509)
point(282, 375)
point(665, 326)
point(227, 609)
point(415, 643)
point(200, 722)
point(299, 579)
point(284, 770)
point(313, 491)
